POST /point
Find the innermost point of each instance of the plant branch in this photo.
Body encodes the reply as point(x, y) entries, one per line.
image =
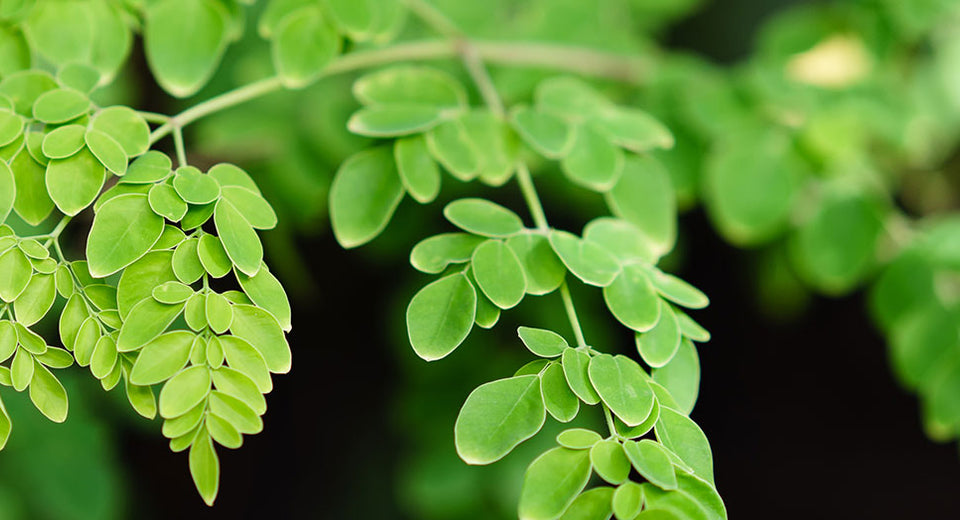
point(567, 58)
point(55, 234)
point(572, 314)
point(530, 195)
point(178, 144)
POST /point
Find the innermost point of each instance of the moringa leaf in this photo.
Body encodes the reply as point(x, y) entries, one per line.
point(440, 316)
point(365, 192)
point(183, 41)
point(124, 230)
point(496, 417)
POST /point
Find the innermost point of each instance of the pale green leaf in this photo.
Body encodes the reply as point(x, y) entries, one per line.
point(632, 299)
point(440, 316)
point(305, 42)
point(652, 462)
point(558, 399)
point(482, 217)
point(496, 417)
point(183, 41)
point(34, 302)
point(433, 255)
point(609, 461)
point(542, 268)
point(658, 345)
point(499, 274)
point(74, 183)
point(363, 196)
point(238, 237)
point(146, 320)
point(64, 141)
point(683, 437)
point(552, 482)
point(184, 391)
point(418, 171)
point(575, 367)
point(548, 134)
point(107, 150)
point(261, 329)
point(213, 256)
point(587, 261)
point(410, 85)
point(123, 230)
point(644, 196)
point(542, 342)
point(126, 127)
point(139, 279)
point(60, 105)
point(578, 438)
point(205, 467)
point(681, 377)
point(622, 385)
point(592, 162)
point(595, 504)
point(47, 394)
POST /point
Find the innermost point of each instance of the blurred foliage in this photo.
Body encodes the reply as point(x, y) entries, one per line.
point(831, 150)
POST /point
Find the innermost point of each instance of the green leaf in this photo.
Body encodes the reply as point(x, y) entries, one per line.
point(658, 345)
point(575, 368)
point(172, 293)
point(219, 313)
point(213, 256)
point(64, 141)
point(482, 217)
point(440, 316)
point(139, 279)
point(223, 432)
point(24, 87)
point(394, 120)
point(410, 85)
point(837, 248)
point(496, 417)
point(141, 399)
point(621, 239)
point(632, 299)
point(304, 44)
point(609, 461)
point(8, 340)
point(488, 133)
point(149, 168)
point(127, 128)
point(184, 40)
point(237, 384)
point(681, 377)
point(87, 338)
point(683, 437)
point(30, 341)
point(107, 150)
point(433, 255)
point(60, 105)
point(162, 358)
point(123, 230)
point(8, 191)
point(552, 482)
point(183, 391)
point(652, 462)
point(256, 210)
point(205, 467)
point(632, 129)
point(749, 186)
point(11, 126)
point(578, 438)
point(74, 183)
point(239, 240)
point(594, 504)
point(704, 494)
point(236, 412)
point(418, 171)
point(622, 385)
point(644, 196)
point(21, 370)
point(165, 201)
point(569, 97)
point(587, 261)
point(242, 357)
point(355, 18)
point(62, 31)
point(79, 77)
point(499, 274)
point(558, 399)
point(488, 314)
point(542, 342)
point(677, 290)
point(548, 134)
point(230, 175)
point(34, 302)
point(15, 273)
point(146, 320)
point(71, 318)
point(627, 501)
point(32, 202)
point(450, 145)
point(542, 268)
point(592, 162)
point(47, 394)
point(691, 329)
point(267, 293)
point(363, 196)
point(5, 426)
point(195, 187)
point(261, 329)
point(104, 357)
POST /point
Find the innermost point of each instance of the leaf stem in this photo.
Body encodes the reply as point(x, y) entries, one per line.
point(178, 144)
point(55, 234)
point(216, 104)
point(530, 195)
point(572, 314)
point(153, 117)
point(578, 60)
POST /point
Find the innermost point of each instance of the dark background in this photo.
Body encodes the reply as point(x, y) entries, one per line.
point(804, 416)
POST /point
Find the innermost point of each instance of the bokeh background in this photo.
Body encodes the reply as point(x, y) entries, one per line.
point(804, 413)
